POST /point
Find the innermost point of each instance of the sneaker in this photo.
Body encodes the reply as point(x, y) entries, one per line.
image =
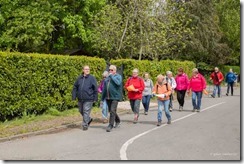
point(135, 118)
point(169, 122)
point(90, 122)
point(193, 110)
point(146, 113)
point(198, 110)
point(212, 96)
point(180, 108)
point(159, 123)
point(170, 109)
point(109, 128)
point(226, 94)
point(117, 125)
point(85, 128)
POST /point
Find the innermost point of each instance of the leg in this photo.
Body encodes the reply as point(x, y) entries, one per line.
point(105, 109)
point(113, 114)
point(231, 86)
point(219, 90)
point(183, 97)
point(80, 105)
point(178, 97)
point(87, 106)
point(228, 87)
point(194, 101)
point(170, 102)
point(166, 109)
point(160, 106)
point(132, 103)
point(148, 102)
point(144, 102)
point(214, 91)
point(199, 100)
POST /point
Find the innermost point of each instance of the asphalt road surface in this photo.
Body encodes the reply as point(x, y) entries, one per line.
point(212, 134)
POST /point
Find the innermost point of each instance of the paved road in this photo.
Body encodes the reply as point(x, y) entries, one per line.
point(213, 134)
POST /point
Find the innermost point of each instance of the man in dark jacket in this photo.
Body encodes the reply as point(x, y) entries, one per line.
point(112, 92)
point(85, 89)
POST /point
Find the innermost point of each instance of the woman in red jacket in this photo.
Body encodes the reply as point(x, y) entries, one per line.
point(135, 86)
point(197, 85)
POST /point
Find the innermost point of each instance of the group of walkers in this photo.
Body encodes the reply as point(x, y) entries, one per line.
point(141, 89)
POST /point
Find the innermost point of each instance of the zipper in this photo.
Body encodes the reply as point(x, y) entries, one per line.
point(82, 87)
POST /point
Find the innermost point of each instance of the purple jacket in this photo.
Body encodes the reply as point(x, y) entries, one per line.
point(100, 88)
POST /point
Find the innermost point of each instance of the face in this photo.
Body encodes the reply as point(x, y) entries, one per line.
point(160, 80)
point(180, 73)
point(146, 76)
point(194, 73)
point(111, 70)
point(134, 73)
point(216, 70)
point(86, 70)
point(169, 75)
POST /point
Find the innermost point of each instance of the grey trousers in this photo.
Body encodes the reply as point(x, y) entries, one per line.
point(85, 110)
point(135, 106)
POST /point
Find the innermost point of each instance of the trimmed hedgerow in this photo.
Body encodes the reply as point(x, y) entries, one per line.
point(33, 83)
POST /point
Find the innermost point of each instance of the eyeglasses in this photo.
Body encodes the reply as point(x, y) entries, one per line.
point(111, 70)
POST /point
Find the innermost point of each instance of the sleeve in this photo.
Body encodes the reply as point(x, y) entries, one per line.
point(75, 89)
point(187, 81)
point(174, 85)
point(94, 83)
point(226, 77)
point(221, 77)
point(203, 82)
point(142, 85)
point(100, 87)
point(154, 89)
point(104, 91)
point(127, 83)
point(189, 86)
point(116, 79)
point(169, 91)
point(212, 76)
point(151, 85)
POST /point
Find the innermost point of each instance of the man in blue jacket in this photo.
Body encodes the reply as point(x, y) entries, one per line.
point(230, 79)
point(112, 92)
point(85, 89)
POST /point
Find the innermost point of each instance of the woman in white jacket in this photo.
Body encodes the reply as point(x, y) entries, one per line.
point(171, 80)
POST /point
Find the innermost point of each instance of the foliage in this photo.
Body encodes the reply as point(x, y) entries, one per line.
point(32, 83)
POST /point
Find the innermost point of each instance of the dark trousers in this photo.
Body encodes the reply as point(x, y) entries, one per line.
point(112, 108)
point(146, 102)
point(230, 86)
point(85, 110)
point(181, 97)
point(171, 101)
point(135, 106)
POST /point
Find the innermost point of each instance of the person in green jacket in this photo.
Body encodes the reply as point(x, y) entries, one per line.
point(112, 92)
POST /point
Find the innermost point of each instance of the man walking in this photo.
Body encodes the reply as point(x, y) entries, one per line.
point(217, 78)
point(85, 89)
point(112, 92)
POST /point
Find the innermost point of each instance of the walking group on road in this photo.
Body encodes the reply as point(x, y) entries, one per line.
point(142, 89)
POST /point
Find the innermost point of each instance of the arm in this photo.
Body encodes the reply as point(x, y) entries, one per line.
point(203, 82)
point(174, 85)
point(221, 77)
point(94, 84)
point(142, 86)
point(104, 91)
point(127, 83)
point(116, 79)
point(169, 91)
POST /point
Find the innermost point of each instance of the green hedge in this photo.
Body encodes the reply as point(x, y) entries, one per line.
point(225, 69)
point(33, 83)
point(154, 68)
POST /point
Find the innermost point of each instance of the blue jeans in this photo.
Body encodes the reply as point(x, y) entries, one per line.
point(165, 104)
point(85, 110)
point(104, 108)
point(217, 87)
point(146, 102)
point(196, 99)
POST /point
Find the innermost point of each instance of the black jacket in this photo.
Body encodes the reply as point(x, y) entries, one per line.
point(85, 88)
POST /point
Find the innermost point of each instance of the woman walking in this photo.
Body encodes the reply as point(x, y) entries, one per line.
point(182, 83)
point(103, 104)
point(147, 93)
point(162, 90)
point(197, 85)
point(135, 87)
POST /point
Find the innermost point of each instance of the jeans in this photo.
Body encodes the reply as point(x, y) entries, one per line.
point(217, 87)
point(230, 86)
point(85, 110)
point(146, 102)
point(181, 97)
point(196, 99)
point(135, 106)
point(112, 107)
point(104, 108)
point(165, 104)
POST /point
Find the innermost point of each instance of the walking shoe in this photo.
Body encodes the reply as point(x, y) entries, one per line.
point(85, 128)
point(170, 109)
point(226, 94)
point(198, 110)
point(109, 128)
point(117, 125)
point(146, 113)
point(135, 118)
point(180, 108)
point(90, 122)
point(169, 122)
point(159, 123)
point(193, 110)
point(212, 96)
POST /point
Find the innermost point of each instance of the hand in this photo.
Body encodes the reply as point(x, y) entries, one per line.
point(136, 90)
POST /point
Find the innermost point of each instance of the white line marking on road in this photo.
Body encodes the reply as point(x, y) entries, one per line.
point(123, 149)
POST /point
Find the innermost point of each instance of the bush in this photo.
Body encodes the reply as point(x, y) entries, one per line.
point(31, 83)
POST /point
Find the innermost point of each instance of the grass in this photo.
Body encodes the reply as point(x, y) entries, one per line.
point(52, 118)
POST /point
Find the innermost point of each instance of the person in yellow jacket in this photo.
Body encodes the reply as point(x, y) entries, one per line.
point(162, 90)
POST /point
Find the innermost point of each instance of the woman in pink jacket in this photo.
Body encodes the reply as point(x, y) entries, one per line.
point(182, 83)
point(197, 85)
